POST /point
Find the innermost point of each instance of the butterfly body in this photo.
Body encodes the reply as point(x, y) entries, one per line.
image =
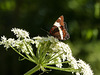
point(59, 30)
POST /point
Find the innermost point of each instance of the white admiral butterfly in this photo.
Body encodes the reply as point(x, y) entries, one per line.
point(59, 30)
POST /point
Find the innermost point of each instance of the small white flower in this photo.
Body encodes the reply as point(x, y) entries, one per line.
point(20, 33)
point(30, 49)
point(6, 42)
point(52, 39)
point(64, 57)
point(24, 49)
point(85, 68)
point(73, 62)
point(37, 38)
point(43, 39)
point(58, 61)
point(3, 39)
point(28, 40)
point(11, 42)
point(18, 43)
point(37, 43)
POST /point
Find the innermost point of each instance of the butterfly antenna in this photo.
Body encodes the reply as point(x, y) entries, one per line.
point(45, 30)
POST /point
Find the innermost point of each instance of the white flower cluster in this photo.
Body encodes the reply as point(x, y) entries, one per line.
point(6, 42)
point(19, 43)
point(20, 33)
point(85, 68)
point(52, 49)
point(58, 48)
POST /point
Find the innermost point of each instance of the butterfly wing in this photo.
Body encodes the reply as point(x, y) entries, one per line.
point(55, 32)
point(58, 30)
point(60, 20)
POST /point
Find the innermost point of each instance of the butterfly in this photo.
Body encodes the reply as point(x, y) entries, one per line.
point(59, 29)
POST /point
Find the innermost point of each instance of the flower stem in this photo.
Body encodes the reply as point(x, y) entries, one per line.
point(63, 69)
point(19, 53)
point(33, 70)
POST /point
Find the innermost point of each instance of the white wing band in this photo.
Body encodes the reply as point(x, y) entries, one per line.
point(60, 31)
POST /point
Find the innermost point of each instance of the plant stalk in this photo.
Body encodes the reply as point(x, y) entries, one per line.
point(33, 70)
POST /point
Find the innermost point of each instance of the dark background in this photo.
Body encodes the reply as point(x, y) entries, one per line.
point(83, 22)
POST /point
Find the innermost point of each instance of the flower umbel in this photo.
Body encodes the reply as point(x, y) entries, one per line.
point(20, 33)
point(85, 68)
point(50, 51)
